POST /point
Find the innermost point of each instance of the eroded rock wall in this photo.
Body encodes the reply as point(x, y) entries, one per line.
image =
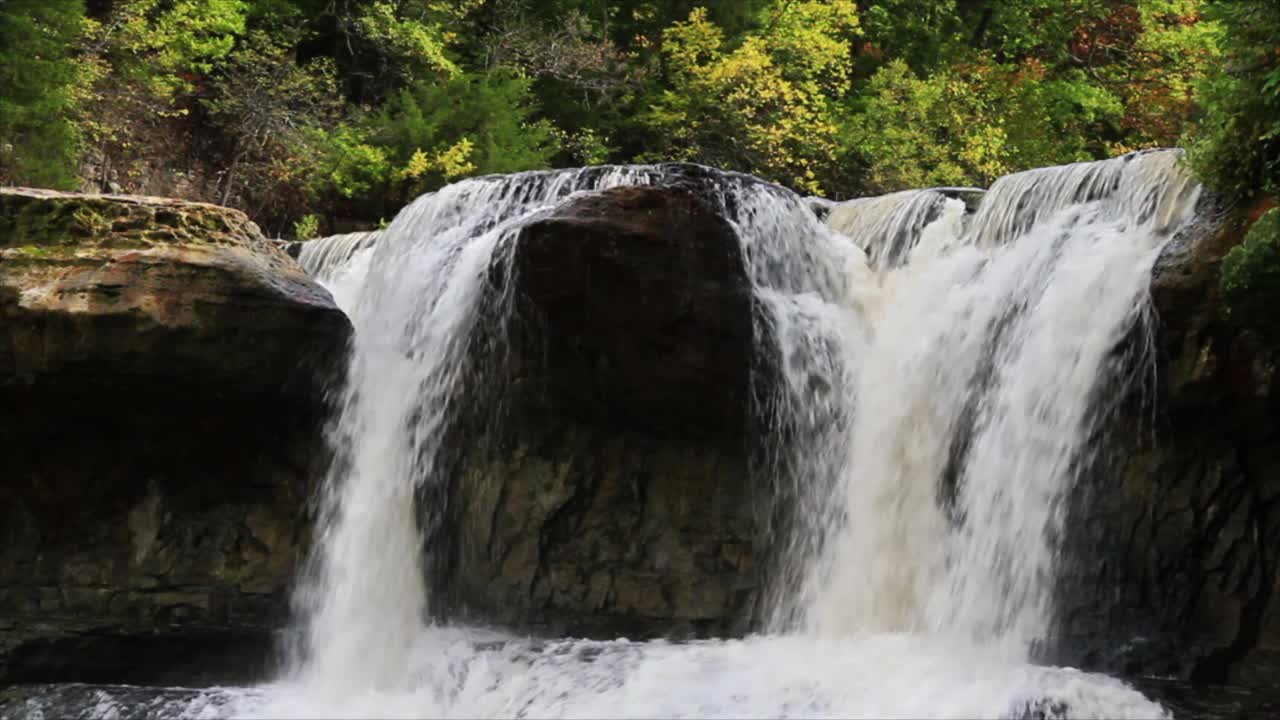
point(162, 376)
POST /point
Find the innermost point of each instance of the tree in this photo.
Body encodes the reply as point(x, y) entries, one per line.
point(572, 52)
point(770, 105)
point(347, 107)
point(268, 108)
point(921, 33)
point(1236, 148)
point(143, 61)
point(472, 123)
point(377, 46)
point(919, 132)
point(39, 141)
point(1148, 55)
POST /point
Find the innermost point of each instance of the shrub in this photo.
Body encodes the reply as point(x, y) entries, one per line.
point(1250, 282)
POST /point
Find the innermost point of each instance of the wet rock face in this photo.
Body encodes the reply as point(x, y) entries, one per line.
point(635, 311)
point(618, 501)
point(1175, 554)
point(162, 370)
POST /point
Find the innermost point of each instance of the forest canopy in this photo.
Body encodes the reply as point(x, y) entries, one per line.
point(306, 111)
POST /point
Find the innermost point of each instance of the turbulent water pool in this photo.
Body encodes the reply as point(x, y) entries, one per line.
point(949, 343)
point(456, 673)
point(467, 674)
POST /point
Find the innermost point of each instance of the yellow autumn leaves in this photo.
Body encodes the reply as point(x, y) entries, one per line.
point(771, 102)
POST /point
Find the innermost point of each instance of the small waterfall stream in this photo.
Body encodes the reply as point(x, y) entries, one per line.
point(937, 380)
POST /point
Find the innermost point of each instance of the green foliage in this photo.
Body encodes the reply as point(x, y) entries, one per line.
point(473, 123)
point(768, 106)
point(348, 164)
point(971, 123)
point(410, 34)
point(38, 83)
point(1043, 29)
point(156, 43)
point(295, 108)
point(1236, 149)
point(1250, 282)
point(917, 132)
point(425, 136)
point(1152, 55)
point(918, 32)
point(307, 227)
point(635, 24)
point(141, 63)
point(1010, 86)
point(268, 108)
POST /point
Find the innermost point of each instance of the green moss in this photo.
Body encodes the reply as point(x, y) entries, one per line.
point(47, 221)
point(76, 221)
point(33, 258)
point(1250, 281)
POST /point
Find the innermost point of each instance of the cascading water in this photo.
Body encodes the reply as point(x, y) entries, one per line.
point(888, 226)
point(416, 296)
point(977, 395)
point(321, 257)
point(931, 378)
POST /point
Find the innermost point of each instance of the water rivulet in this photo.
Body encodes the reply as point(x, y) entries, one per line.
point(933, 379)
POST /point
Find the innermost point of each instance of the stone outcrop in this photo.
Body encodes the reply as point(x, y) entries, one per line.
point(162, 374)
point(1176, 538)
point(618, 501)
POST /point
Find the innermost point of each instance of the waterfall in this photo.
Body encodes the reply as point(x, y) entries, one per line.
point(322, 257)
point(976, 395)
point(414, 298)
point(928, 373)
point(933, 379)
point(887, 227)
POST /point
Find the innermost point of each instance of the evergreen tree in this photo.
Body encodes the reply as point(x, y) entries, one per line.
point(470, 124)
point(39, 142)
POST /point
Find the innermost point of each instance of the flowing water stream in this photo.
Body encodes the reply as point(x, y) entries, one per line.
point(942, 372)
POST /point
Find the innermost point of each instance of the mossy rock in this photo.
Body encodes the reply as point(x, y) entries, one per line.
point(1250, 282)
point(32, 219)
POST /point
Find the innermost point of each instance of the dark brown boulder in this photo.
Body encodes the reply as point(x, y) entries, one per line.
point(636, 305)
point(162, 375)
point(618, 500)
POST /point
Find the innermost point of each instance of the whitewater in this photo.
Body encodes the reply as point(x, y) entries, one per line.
point(966, 354)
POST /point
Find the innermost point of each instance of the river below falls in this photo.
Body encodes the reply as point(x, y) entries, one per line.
point(472, 673)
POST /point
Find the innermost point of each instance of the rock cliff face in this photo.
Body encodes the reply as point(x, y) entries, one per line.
point(1176, 539)
point(618, 500)
point(162, 374)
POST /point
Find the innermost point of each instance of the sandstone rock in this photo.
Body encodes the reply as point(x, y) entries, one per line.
point(162, 370)
point(618, 500)
point(1175, 566)
point(96, 287)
